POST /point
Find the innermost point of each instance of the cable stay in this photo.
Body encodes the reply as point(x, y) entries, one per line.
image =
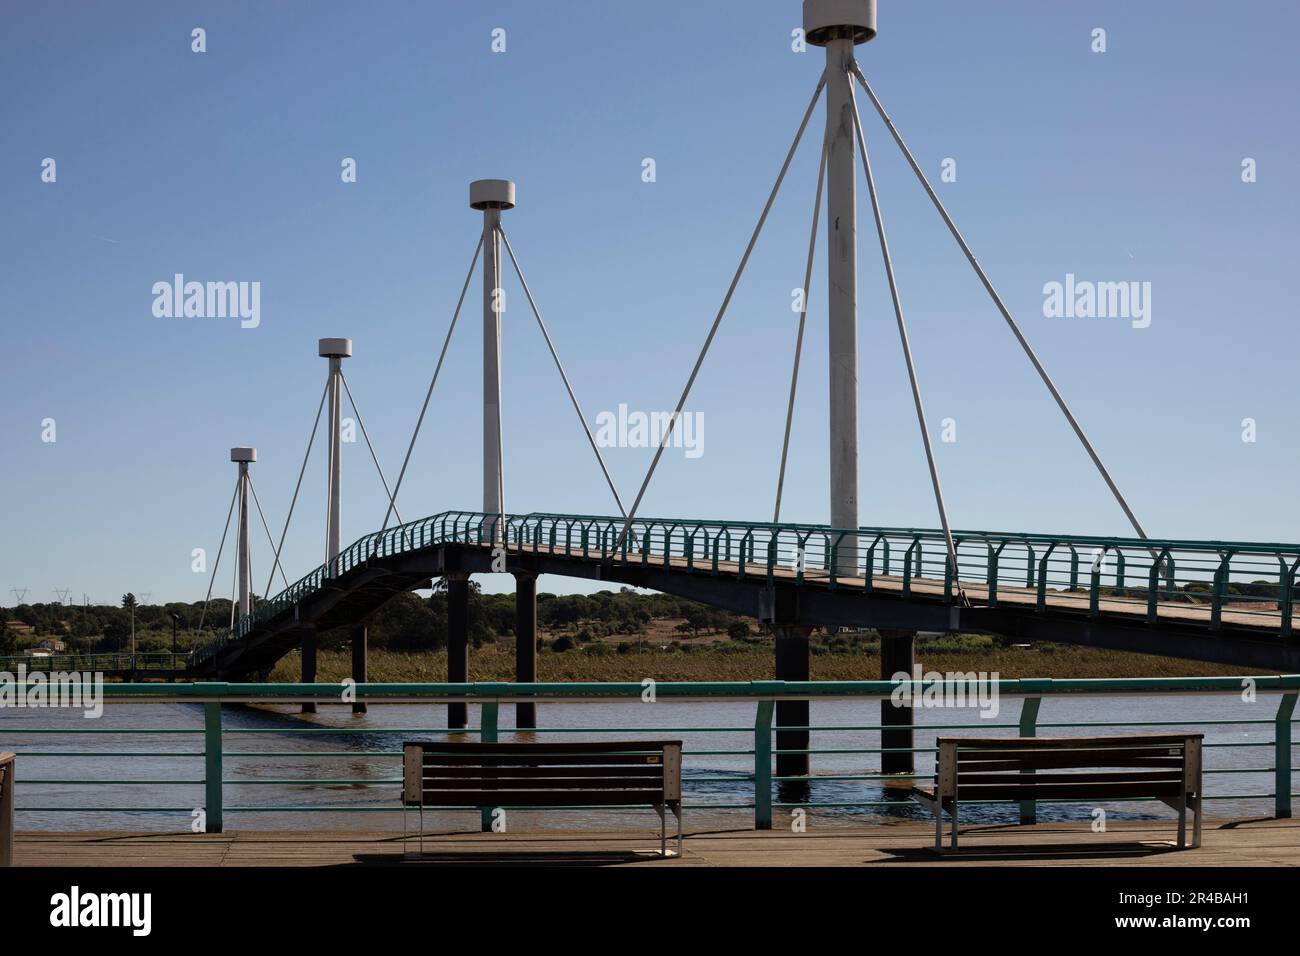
point(722, 311)
point(216, 564)
point(907, 348)
point(275, 565)
point(582, 419)
point(434, 381)
point(997, 300)
point(392, 501)
point(297, 487)
point(798, 342)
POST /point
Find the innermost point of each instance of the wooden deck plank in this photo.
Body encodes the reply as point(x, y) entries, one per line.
point(1240, 843)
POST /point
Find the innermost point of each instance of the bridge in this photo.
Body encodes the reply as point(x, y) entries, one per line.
point(204, 758)
point(1222, 601)
point(1174, 598)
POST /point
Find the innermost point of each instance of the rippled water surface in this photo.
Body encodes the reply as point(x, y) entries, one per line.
point(277, 758)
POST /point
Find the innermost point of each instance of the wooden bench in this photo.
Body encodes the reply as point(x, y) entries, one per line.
point(488, 776)
point(1166, 767)
point(7, 762)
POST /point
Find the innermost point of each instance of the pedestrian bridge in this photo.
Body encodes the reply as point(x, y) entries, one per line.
point(1229, 602)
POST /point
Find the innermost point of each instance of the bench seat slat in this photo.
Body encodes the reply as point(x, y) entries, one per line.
point(432, 784)
point(571, 747)
point(1103, 776)
point(1062, 791)
point(1091, 753)
point(508, 760)
point(553, 798)
point(635, 772)
point(1074, 743)
point(1065, 761)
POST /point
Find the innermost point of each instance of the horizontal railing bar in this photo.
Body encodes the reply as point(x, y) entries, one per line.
point(681, 690)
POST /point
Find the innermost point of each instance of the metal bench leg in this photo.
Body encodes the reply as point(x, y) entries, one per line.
point(953, 812)
point(1182, 824)
point(663, 830)
point(677, 812)
point(1196, 826)
point(938, 827)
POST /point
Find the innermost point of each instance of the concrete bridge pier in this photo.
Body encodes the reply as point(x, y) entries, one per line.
point(457, 642)
point(309, 663)
point(525, 643)
point(897, 654)
point(792, 665)
point(360, 647)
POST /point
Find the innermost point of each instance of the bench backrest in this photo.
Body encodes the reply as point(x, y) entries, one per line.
point(1162, 766)
point(629, 773)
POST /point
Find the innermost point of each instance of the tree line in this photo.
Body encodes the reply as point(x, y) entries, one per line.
point(408, 622)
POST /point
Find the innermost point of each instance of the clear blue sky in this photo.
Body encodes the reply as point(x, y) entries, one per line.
point(1118, 166)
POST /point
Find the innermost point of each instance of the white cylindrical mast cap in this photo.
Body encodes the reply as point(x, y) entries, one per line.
point(492, 194)
point(827, 20)
point(243, 454)
point(332, 347)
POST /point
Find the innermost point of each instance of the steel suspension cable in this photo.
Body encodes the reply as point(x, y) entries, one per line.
point(726, 301)
point(902, 337)
point(997, 300)
point(297, 487)
point(798, 342)
point(269, 540)
point(373, 457)
point(217, 564)
point(560, 367)
point(434, 381)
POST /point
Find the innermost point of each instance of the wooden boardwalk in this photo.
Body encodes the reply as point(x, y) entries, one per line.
point(1235, 843)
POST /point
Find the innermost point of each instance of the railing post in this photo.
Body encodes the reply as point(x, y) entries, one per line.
point(212, 767)
point(1282, 756)
point(1029, 728)
point(763, 765)
point(487, 734)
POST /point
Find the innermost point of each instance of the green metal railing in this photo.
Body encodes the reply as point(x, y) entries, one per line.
point(102, 663)
point(1254, 582)
point(1037, 696)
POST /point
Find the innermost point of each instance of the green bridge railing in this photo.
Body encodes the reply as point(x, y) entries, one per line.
point(1268, 702)
point(1253, 581)
point(90, 663)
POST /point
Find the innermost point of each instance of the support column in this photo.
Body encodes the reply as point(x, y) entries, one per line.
point(243, 544)
point(336, 350)
point(492, 196)
point(792, 665)
point(897, 654)
point(842, 302)
point(457, 642)
point(839, 25)
point(309, 664)
point(525, 643)
point(360, 640)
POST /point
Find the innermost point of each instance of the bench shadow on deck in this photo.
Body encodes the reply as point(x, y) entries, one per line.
point(1264, 842)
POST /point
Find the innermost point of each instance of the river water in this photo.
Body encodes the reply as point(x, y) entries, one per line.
point(366, 759)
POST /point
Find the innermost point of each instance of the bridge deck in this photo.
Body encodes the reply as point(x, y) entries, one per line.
point(1243, 843)
point(1253, 616)
point(1236, 629)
